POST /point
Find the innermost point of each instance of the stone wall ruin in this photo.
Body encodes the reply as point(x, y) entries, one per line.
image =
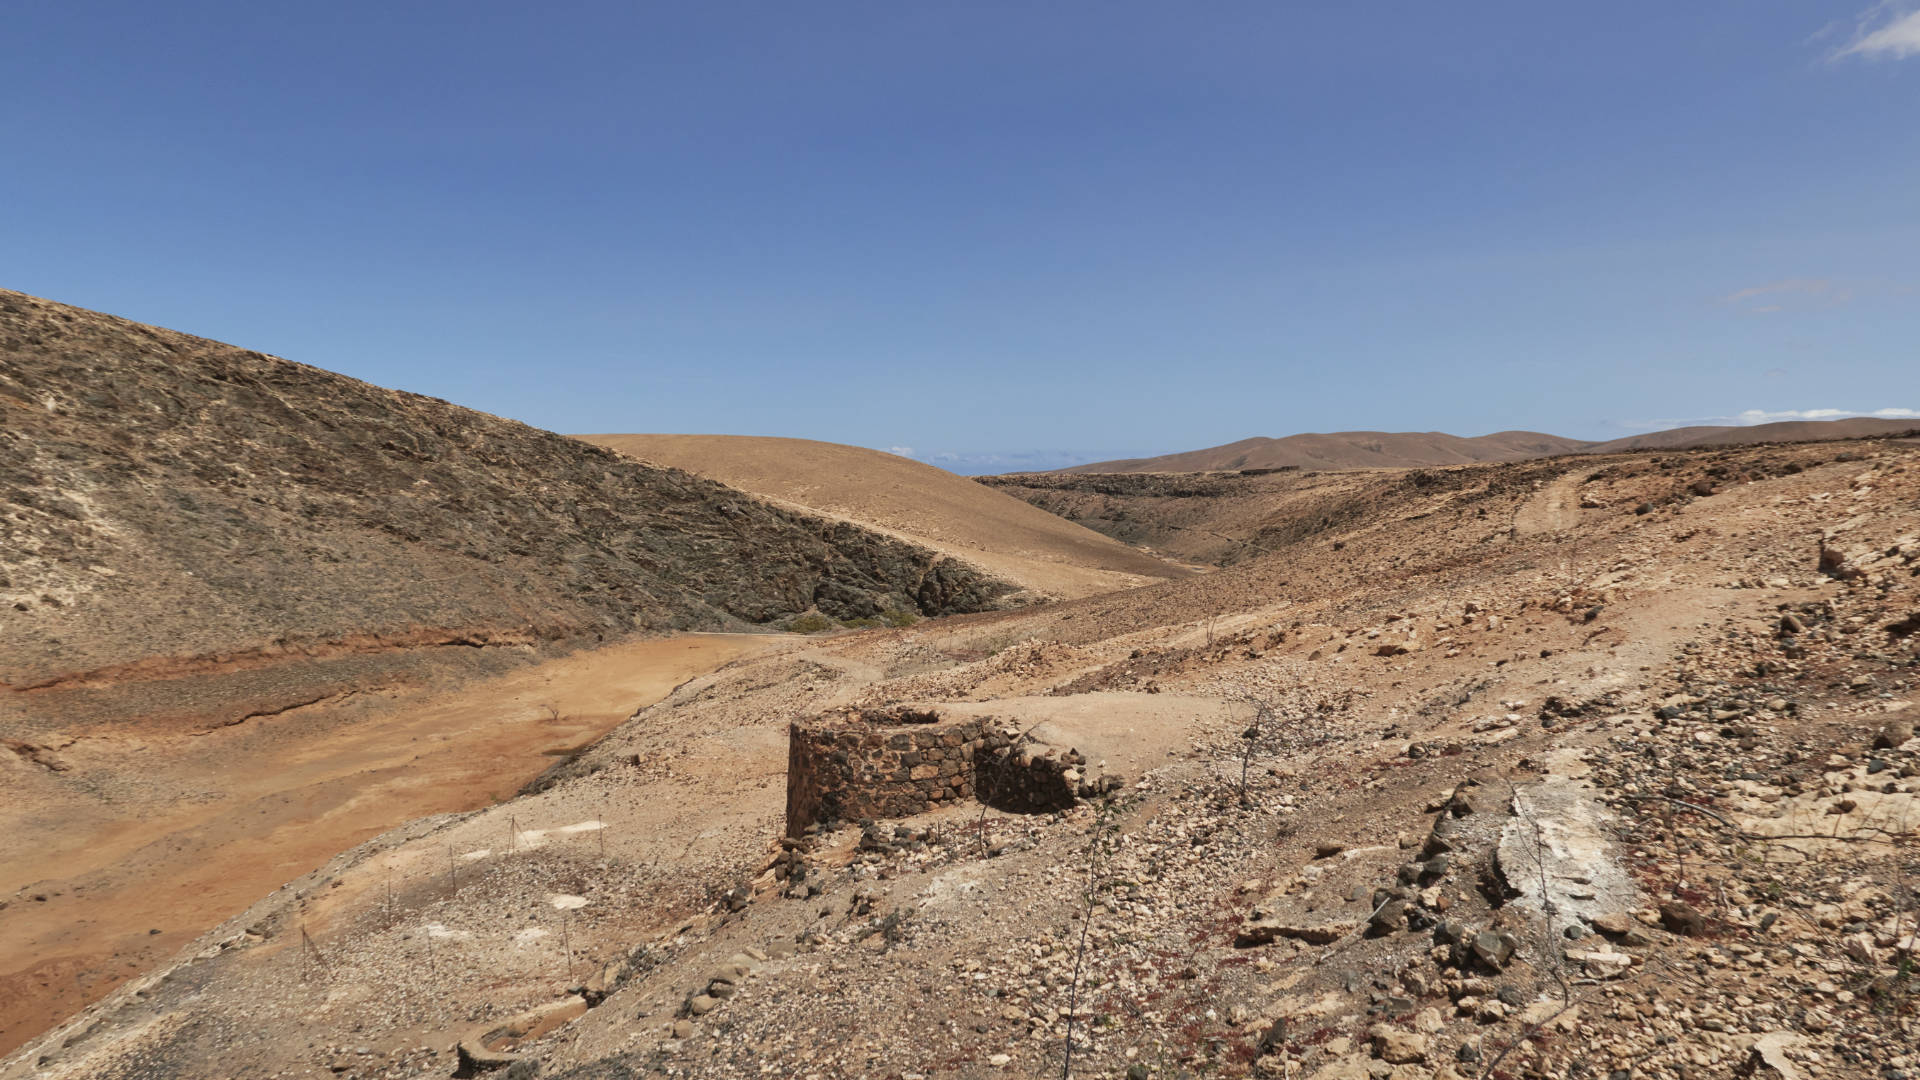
point(864, 764)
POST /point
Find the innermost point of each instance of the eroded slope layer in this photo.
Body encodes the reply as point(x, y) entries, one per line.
point(173, 506)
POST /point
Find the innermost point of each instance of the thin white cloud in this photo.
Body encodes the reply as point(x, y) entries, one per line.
point(903, 451)
point(1885, 31)
point(1750, 417)
point(1792, 285)
point(1780, 295)
point(1763, 416)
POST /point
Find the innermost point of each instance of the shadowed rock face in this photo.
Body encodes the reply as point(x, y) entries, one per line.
point(169, 503)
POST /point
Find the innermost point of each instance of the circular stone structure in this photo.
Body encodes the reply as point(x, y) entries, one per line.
point(864, 764)
point(877, 763)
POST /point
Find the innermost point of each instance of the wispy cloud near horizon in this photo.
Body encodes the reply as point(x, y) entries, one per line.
point(1888, 30)
point(1750, 417)
point(1779, 295)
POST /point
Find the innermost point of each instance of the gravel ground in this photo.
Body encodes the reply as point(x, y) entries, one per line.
point(1422, 796)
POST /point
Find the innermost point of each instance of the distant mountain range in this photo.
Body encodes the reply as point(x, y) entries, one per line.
point(1407, 450)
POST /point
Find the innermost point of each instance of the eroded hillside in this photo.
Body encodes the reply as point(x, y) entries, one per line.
point(1348, 450)
point(1226, 518)
point(1437, 449)
point(175, 506)
point(1208, 518)
point(1008, 539)
point(1534, 770)
point(252, 613)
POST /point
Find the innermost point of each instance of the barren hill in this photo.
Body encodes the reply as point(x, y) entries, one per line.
point(1002, 535)
point(1217, 518)
point(1224, 518)
point(1529, 769)
point(175, 506)
point(1412, 450)
point(1348, 450)
point(244, 605)
point(1548, 768)
point(1784, 431)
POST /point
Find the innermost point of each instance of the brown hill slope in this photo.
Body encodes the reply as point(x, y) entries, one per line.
point(1349, 450)
point(178, 507)
point(1414, 450)
point(1536, 763)
point(1226, 518)
point(1785, 431)
point(1006, 537)
point(1219, 518)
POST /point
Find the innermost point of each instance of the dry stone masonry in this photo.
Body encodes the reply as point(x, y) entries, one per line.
point(1015, 773)
point(855, 764)
point(888, 763)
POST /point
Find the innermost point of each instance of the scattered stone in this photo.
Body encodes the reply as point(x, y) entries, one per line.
point(1397, 1047)
point(1892, 732)
point(1769, 1055)
point(1493, 950)
point(1265, 932)
point(1680, 918)
point(1390, 917)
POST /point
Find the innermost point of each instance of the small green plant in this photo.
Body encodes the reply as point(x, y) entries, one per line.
point(899, 618)
point(863, 623)
point(811, 623)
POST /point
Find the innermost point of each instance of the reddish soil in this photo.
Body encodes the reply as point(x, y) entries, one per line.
point(97, 894)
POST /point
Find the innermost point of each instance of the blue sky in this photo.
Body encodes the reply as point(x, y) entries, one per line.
point(1016, 235)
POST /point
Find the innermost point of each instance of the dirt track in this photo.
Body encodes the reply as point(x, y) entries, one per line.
point(97, 896)
point(1555, 508)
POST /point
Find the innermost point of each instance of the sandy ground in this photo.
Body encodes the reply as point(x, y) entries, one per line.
point(95, 897)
